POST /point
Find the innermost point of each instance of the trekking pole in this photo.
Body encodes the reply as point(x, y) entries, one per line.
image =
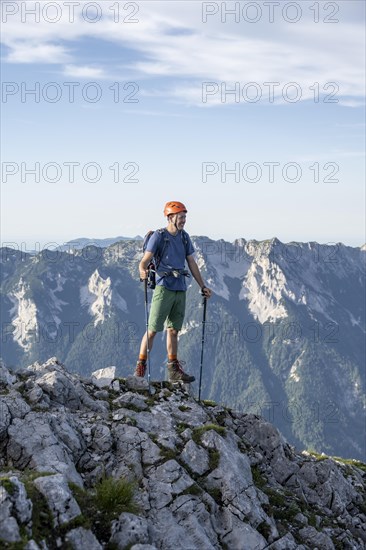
point(147, 336)
point(203, 341)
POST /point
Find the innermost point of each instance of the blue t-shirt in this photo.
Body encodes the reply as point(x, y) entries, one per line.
point(174, 257)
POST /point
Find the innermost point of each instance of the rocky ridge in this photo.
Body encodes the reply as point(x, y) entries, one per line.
point(204, 476)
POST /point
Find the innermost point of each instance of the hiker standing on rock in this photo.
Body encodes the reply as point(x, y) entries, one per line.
point(171, 247)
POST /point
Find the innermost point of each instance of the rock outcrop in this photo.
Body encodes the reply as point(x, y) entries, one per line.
point(85, 464)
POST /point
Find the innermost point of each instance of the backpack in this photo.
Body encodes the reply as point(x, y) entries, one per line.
point(153, 266)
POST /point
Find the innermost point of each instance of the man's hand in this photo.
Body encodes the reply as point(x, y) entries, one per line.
point(206, 292)
point(143, 265)
point(143, 274)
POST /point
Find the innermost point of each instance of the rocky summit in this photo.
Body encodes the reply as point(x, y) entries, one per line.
point(102, 462)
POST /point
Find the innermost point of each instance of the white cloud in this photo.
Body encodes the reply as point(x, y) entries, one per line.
point(171, 41)
point(30, 52)
point(78, 71)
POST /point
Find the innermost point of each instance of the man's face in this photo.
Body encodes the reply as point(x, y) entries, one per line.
point(180, 219)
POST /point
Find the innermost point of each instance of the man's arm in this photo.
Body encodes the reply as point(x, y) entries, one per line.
point(147, 257)
point(193, 267)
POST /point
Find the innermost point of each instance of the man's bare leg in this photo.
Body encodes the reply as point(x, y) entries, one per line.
point(143, 346)
point(172, 342)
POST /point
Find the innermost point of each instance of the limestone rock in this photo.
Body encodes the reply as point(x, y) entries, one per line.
point(129, 529)
point(270, 443)
point(6, 377)
point(9, 529)
point(34, 444)
point(136, 383)
point(32, 545)
point(5, 420)
point(314, 538)
point(191, 514)
point(195, 457)
point(22, 505)
point(234, 484)
point(82, 538)
point(286, 543)
point(131, 399)
point(168, 532)
point(16, 405)
point(116, 385)
point(166, 481)
point(59, 497)
point(103, 378)
point(233, 477)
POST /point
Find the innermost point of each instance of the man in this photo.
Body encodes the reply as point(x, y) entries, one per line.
point(169, 298)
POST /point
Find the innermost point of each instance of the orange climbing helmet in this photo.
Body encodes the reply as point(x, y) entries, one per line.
point(173, 207)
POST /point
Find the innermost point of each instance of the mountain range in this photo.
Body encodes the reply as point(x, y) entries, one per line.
point(284, 337)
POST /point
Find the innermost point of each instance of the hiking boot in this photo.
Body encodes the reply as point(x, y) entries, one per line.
point(140, 369)
point(177, 374)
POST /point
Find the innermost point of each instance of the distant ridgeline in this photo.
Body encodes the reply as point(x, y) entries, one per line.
point(284, 335)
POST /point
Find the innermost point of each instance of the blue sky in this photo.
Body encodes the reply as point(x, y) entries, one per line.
point(296, 155)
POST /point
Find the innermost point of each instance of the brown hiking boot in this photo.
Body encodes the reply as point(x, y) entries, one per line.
point(140, 369)
point(177, 374)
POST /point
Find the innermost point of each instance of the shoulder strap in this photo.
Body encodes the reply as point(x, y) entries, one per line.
point(185, 239)
point(164, 240)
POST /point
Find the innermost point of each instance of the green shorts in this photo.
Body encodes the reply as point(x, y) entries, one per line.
point(167, 306)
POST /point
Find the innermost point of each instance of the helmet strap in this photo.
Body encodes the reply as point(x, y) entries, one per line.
point(173, 222)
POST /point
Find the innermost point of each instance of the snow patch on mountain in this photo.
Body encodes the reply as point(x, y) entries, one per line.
point(356, 322)
point(220, 260)
point(97, 295)
point(319, 303)
point(25, 320)
point(56, 303)
point(263, 287)
point(294, 369)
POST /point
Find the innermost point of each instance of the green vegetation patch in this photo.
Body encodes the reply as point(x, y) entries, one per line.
point(276, 498)
point(20, 545)
point(167, 453)
point(181, 427)
point(215, 493)
point(213, 459)
point(345, 461)
point(318, 456)
point(264, 529)
point(221, 417)
point(104, 503)
point(8, 485)
point(114, 496)
point(351, 462)
point(259, 480)
point(184, 408)
point(209, 403)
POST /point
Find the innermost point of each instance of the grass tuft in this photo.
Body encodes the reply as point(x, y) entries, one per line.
point(209, 402)
point(114, 496)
